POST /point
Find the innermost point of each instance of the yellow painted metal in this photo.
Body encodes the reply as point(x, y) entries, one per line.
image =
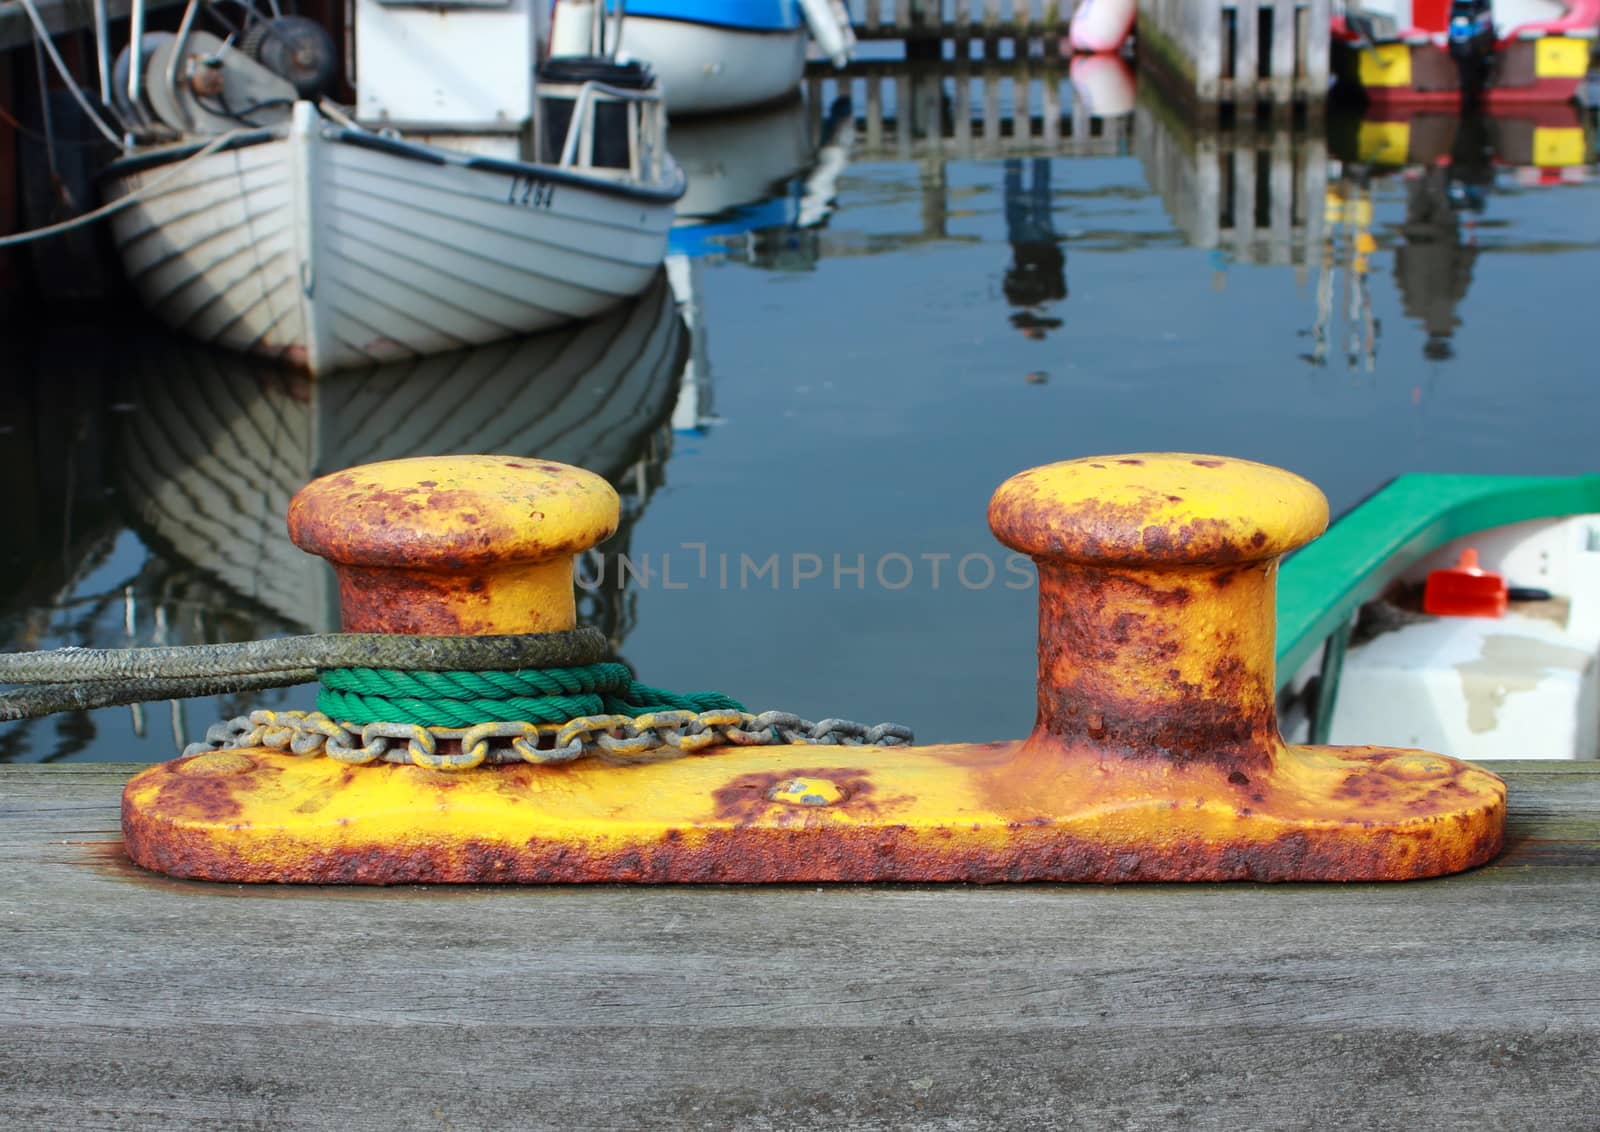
point(932, 813)
point(1558, 146)
point(807, 792)
point(1167, 507)
point(215, 763)
point(1155, 753)
point(1558, 57)
point(1385, 64)
point(455, 545)
point(1383, 143)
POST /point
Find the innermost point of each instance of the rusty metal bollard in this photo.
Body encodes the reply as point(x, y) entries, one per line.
point(455, 545)
point(1156, 612)
point(1155, 756)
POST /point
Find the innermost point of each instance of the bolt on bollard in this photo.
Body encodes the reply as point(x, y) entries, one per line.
point(1155, 755)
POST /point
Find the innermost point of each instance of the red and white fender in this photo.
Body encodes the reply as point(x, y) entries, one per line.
point(1101, 25)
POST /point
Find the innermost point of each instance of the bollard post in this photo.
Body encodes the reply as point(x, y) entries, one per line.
point(455, 545)
point(1156, 601)
point(1155, 753)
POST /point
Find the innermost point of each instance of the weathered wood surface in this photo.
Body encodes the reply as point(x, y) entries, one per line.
point(1239, 51)
point(131, 1001)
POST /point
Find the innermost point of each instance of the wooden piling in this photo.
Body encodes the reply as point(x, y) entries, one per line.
point(1238, 54)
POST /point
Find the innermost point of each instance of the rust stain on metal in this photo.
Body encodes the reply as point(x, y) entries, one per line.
point(377, 599)
point(204, 797)
point(1034, 851)
point(1101, 631)
point(744, 800)
point(343, 536)
point(1110, 533)
point(110, 859)
point(454, 546)
point(470, 512)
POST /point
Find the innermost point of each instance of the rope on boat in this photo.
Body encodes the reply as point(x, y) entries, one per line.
point(105, 210)
point(42, 37)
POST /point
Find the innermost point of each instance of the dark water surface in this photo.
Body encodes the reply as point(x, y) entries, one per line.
point(805, 467)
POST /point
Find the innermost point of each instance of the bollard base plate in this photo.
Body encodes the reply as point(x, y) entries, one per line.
point(1022, 811)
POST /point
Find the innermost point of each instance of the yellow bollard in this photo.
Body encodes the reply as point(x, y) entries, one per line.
point(1155, 755)
point(455, 545)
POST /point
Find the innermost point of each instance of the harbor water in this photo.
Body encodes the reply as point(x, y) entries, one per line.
point(874, 318)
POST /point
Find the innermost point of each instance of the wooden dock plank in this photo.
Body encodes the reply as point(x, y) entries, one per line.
point(129, 1000)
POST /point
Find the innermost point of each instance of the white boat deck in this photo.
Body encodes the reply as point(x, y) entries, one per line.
point(1525, 685)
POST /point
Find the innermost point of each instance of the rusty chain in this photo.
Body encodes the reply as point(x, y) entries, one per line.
point(312, 733)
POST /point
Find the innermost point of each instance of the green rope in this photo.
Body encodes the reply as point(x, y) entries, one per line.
point(464, 699)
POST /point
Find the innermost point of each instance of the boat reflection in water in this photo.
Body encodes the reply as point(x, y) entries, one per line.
point(213, 445)
point(1452, 164)
point(759, 187)
point(1294, 197)
point(758, 194)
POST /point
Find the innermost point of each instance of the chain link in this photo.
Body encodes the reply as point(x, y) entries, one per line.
point(312, 733)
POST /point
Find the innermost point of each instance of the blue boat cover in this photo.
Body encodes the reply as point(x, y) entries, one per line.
point(752, 15)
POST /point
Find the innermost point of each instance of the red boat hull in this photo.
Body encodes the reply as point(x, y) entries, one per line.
point(1549, 68)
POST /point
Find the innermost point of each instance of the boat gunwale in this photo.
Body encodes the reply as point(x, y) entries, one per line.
point(740, 29)
point(154, 157)
point(668, 193)
point(1385, 534)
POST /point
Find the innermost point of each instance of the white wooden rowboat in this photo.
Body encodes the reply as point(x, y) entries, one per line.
point(329, 246)
point(441, 216)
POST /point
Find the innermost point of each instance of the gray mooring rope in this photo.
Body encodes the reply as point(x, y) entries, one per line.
point(74, 679)
point(41, 700)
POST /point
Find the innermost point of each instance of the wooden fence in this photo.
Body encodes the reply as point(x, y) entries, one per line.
point(1256, 194)
point(967, 109)
point(1243, 53)
point(959, 19)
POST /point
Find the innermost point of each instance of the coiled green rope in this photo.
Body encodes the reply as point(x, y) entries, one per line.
point(465, 699)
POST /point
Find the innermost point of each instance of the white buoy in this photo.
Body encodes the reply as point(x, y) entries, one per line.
point(1101, 25)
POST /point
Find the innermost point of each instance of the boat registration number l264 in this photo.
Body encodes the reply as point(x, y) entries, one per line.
point(530, 192)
